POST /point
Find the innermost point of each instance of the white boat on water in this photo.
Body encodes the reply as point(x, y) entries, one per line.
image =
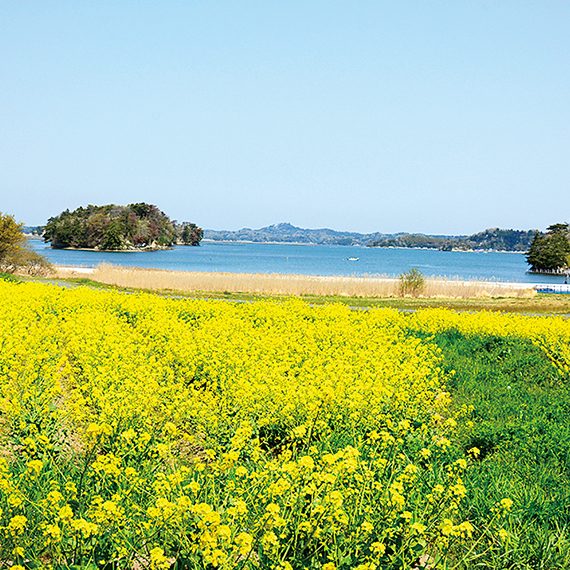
point(353, 258)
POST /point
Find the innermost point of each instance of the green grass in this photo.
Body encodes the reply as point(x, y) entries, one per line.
point(10, 277)
point(541, 304)
point(521, 424)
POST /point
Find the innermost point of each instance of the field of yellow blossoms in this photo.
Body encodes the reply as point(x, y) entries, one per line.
point(143, 432)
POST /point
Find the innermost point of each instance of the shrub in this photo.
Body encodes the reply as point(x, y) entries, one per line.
point(412, 283)
point(15, 254)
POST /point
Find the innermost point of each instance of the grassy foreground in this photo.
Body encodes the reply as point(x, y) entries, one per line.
point(147, 432)
point(519, 421)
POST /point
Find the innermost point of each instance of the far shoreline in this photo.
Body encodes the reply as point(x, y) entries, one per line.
point(252, 242)
point(359, 245)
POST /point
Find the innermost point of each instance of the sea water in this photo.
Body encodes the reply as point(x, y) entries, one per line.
point(235, 257)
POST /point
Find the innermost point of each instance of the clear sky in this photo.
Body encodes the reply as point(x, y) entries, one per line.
point(432, 116)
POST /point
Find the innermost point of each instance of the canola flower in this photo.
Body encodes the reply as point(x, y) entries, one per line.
point(139, 431)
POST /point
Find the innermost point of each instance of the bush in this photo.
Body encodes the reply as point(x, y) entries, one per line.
point(412, 283)
point(15, 254)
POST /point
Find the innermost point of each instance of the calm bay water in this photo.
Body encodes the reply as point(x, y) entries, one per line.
point(310, 260)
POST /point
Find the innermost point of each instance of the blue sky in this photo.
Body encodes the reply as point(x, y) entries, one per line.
point(432, 116)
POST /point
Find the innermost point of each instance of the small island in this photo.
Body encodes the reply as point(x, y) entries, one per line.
point(134, 227)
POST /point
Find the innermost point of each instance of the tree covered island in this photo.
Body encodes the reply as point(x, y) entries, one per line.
point(110, 227)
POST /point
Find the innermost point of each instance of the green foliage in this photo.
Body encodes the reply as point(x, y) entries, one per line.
point(493, 238)
point(411, 283)
point(15, 255)
point(34, 230)
point(518, 406)
point(10, 278)
point(111, 227)
point(11, 236)
point(502, 240)
point(550, 252)
point(189, 234)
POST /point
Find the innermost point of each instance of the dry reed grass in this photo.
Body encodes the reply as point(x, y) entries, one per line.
point(158, 279)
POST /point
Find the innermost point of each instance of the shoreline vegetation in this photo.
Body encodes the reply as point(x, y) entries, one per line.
point(16, 255)
point(289, 284)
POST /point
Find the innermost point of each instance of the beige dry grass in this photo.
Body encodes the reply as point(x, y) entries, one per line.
point(157, 279)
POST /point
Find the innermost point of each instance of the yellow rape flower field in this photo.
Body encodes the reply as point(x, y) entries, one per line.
point(143, 432)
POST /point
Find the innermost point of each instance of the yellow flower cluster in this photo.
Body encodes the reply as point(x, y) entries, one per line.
point(143, 431)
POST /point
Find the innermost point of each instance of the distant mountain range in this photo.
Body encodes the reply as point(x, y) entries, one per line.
point(287, 233)
point(490, 239)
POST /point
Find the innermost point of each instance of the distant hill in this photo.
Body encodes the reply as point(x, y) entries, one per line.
point(491, 239)
point(287, 233)
point(501, 240)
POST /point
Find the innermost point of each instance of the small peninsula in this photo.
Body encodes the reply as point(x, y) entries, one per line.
point(134, 227)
